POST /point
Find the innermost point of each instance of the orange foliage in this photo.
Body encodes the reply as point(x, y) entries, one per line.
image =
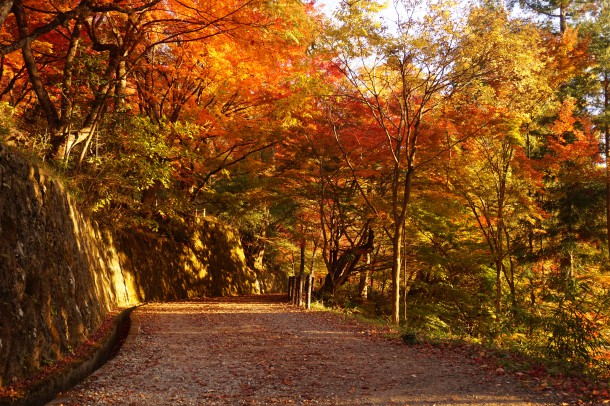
point(572, 141)
point(567, 56)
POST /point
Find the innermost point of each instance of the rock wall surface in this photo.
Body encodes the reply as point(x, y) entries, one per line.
point(60, 273)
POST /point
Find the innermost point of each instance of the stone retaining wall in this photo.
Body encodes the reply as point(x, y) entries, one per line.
point(60, 273)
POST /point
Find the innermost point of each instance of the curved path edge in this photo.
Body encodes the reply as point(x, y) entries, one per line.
point(69, 375)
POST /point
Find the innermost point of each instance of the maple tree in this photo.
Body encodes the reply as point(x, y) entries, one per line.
point(498, 183)
point(403, 81)
point(331, 215)
point(115, 41)
point(199, 74)
point(347, 233)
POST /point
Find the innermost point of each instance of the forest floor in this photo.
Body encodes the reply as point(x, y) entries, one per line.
point(259, 350)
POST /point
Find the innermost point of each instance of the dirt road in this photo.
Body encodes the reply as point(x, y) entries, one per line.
point(260, 351)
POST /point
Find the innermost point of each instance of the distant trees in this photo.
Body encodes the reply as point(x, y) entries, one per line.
point(425, 90)
point(401, 79)
point(483, 112)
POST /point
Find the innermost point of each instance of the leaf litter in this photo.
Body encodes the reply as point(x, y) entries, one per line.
point(259, 350)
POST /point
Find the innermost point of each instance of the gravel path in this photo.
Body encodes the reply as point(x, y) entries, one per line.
point(256, 350)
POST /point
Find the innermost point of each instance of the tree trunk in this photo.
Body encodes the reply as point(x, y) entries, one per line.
point(499, 256)
point(509, 274)
point(308, 288)
point(396, 261)
point(121, 86)
point(66, 106)
point(364, 279)
point(563, 18)
point(342, 266)
point(399, 216)
point(606, 85)
point(498, 286)
point(302, 262)
point(313, 257)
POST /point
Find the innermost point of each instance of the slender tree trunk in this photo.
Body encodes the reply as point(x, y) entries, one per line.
point(501, 269)
point(498, 286)
point(121, 86)
point(499, 252)
point(563, 19)
point(510, 273)
point(606, 85)
point(396, 261)
point(404, 278)
point(66, 106)
point(313, 257)
point(365, 279)
point(302, 262)
point(399, 216)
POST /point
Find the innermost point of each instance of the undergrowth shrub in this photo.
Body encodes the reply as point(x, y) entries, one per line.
point(577, 338)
